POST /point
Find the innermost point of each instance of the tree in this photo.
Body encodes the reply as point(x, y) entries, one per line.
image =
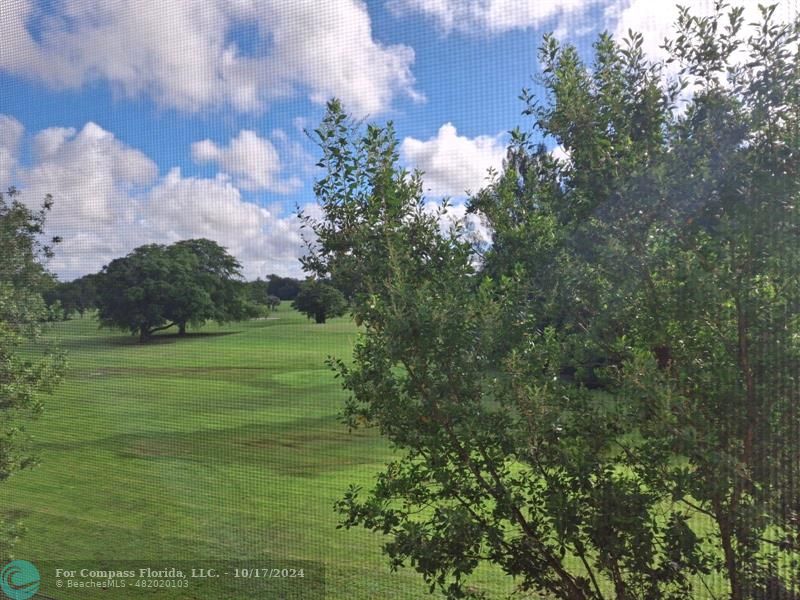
point(215, 275)
point(86, 293)
point(273, 302)
point(63, 299)
point(258, 293)
point(156, 287)
point(134, 291)
point(285, 288)
point(319, 301)
point(607, 406)
point(24, 376)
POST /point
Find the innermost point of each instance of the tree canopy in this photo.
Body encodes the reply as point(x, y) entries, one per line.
point(285, 288)
point(319, 301)
point(156, 287)
point(24, 376)
point(69, 297)
point(604, 403)
point(258, 292)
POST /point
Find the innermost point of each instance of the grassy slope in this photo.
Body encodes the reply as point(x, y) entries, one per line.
point(222, 445)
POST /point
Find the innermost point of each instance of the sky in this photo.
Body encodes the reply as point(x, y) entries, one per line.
point(151, 121)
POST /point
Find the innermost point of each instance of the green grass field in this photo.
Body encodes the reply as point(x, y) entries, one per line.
point(222, 446)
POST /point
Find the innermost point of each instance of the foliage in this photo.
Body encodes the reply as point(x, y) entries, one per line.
point(273, 302)
point(215, 274)
point(285, 288)
point(319, 301)
point(156, 287)
point(258, 292)
point(66, 298)
point(608, 407)
point(22, 379)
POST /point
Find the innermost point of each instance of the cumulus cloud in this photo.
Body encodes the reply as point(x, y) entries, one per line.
point(570, 17)
point(92, 172)
point(251, 159)
point(188, 207)
point(495, 16)
point(453, 164)
point(329, 48)
point(11, 132)
point(109, 199)
point(656, 20)
point(185, 54)
point(95, 181)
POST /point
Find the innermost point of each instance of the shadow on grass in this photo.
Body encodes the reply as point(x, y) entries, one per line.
point(12, 515)
point(307, 449)
point(166, 338)
point(116, 341)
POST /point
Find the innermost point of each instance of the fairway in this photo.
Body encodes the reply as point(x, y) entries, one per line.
point(224, 445)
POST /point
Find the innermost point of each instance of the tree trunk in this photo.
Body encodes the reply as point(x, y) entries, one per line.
point(182, 328)
point(319, 317)
point(144, 333)
point(726, 539)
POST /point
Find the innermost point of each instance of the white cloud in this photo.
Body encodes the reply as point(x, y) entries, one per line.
point(328, 47)
point(183, 53)
point(11, 132)
point(572, 18)
point(90, 173)
point(252, 160)
point(656, 20)
point(454, 164)
point(474, 227)
point(494, 16)
point(560, 153)
point(188, 207)
point(95, 180)
point(110, 199)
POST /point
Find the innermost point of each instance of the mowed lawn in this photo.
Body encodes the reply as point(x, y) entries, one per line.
point(223, 445)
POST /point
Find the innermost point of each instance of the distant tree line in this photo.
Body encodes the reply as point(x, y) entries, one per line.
point(65, 298)
point(272, 291)
point(284, 288)
point(158, 287)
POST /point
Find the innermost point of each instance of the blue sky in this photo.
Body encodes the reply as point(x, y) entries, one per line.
point(159, 120)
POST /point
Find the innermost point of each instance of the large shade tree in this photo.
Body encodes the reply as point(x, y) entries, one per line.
point(156, 287)
point(604, 404)
point(214, 274)
point(24, 375)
